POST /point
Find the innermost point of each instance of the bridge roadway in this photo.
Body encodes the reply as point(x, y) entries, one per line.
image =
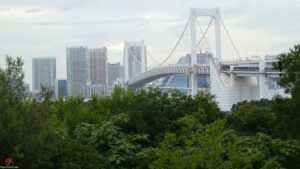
point(158, 72)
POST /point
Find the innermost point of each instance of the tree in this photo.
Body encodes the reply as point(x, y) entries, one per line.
point(11, 95)
point(46, 93)
point(290, 64)
point(251, 119)
point(69, 154)
point(210, 146)
point(11, 82)
point(147, 128)
point(259, 103)
point(287, 110)
point(154, 112)
point(118, 149)
point(287, 115)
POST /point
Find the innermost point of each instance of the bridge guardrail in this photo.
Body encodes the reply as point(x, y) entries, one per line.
point(270, 69)
point(246, 69)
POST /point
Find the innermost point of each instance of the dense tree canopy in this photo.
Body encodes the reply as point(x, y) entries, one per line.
point(290, 64)
point(149, 128)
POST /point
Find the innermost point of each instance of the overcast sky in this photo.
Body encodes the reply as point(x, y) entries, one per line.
point(40, 28)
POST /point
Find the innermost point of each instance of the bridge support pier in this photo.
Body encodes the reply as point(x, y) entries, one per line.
point(232, 76)
point(193, 75)
point(262, 80)
point(195, 13)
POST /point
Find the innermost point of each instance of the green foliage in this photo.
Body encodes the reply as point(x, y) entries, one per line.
point(197, 145)
point(259, 103)
point(69, 154)
point(11, 80)
point(46, 93)
point(146, 128)
point(119, 150)
point(11, 95)
point(287, 111)
point(290, 64)
point(250, 119)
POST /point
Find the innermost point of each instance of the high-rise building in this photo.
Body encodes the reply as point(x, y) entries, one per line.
point(98, 66)
point(43, 72)
point(97, 90)
point(77, 69)
point(114, 73)
point(134, 59)
point(61, 88)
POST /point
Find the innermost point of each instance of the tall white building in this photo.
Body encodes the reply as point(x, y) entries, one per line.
point(98, 66)
point(114, 73)
point(43, 72)
point(135, 61)
point(77, 69)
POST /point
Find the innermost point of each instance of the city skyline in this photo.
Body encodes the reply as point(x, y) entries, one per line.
point(30, 29)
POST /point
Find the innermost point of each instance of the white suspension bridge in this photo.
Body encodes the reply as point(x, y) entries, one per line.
point(229, 82)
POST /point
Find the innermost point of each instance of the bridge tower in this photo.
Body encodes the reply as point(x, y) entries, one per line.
point(195, 13)
point(135, 59)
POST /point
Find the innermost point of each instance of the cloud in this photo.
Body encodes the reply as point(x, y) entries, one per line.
point(67, 5)
point(139, 21)
point(116, 47)
point(4, 9)
point(96, 22)
point(263, 15)
point(34, 10)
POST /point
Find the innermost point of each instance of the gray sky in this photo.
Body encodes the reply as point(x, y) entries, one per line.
point(38, 28)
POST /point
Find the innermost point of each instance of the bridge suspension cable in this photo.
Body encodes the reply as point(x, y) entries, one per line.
point(156, 62)
point(180, 38)
point(203, 34)
point(231, 41)
point(134, 57)
point(138, 61)
point(170, 54)
point(177, 43)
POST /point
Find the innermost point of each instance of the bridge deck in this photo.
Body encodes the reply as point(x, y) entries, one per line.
point(159, 72)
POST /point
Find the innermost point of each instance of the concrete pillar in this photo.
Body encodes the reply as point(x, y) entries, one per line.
point(218, 36)
point(195, 13)
point(193, 75)
point(143, 61)
point(144, 56)
point(232, 76)
point(262, 80)
point(126, 69)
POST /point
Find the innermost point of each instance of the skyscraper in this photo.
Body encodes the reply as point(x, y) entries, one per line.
point(61, 88)
point(77, 69)
point(43, 72)
point(114, 73)
point(134, 58)
point(98, 66)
